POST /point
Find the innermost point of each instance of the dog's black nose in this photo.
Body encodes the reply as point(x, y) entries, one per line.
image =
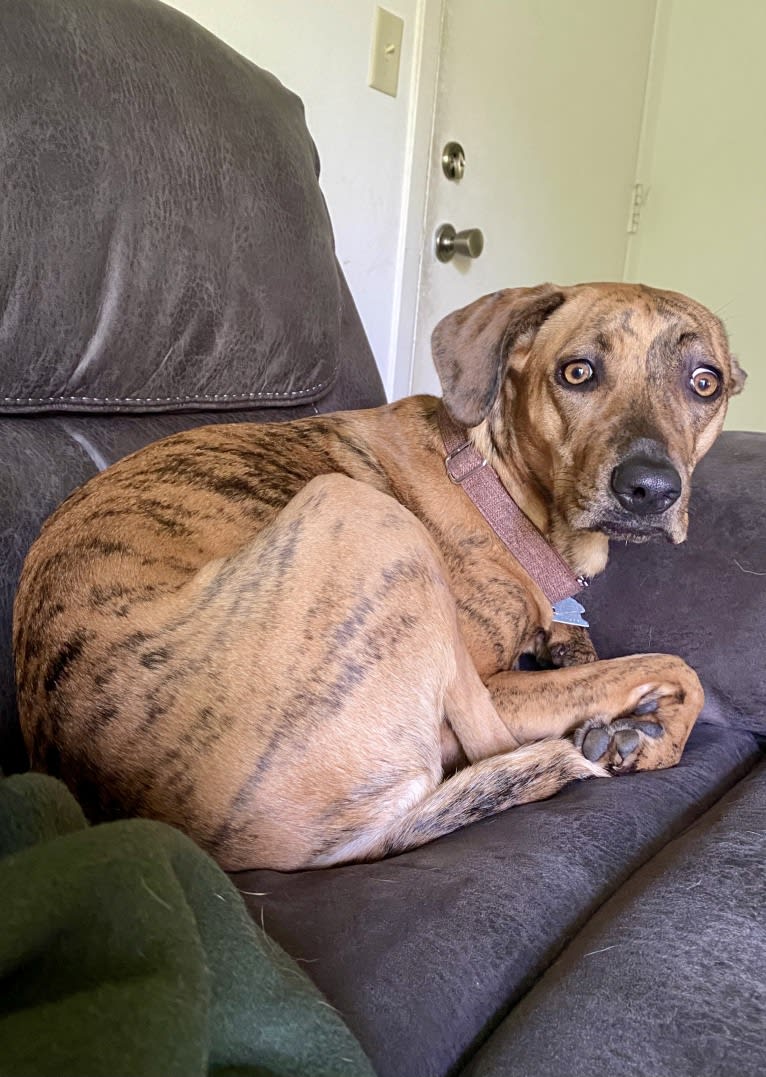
point(644, 486)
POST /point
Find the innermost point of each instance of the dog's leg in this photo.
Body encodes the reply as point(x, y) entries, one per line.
point(366, 695)
point(566, 645)
point(500, 774)
point(299, 702)
point(628, 714)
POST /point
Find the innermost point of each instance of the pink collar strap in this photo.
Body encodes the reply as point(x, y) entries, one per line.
point(466, 467)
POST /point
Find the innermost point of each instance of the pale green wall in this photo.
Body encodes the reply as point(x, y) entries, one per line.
point(703, 229)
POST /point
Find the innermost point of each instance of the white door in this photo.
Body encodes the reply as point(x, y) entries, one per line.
point(546, 98)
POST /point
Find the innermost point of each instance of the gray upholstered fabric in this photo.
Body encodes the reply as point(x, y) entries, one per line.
point(425, 952)
point(669, 978)
point(163, 239)
point(705, 600)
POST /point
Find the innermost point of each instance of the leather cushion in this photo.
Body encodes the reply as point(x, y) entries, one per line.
point(668, 978)
point(425, 952)
point(163, 239)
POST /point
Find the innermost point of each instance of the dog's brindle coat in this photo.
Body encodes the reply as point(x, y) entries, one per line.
point(297, 641)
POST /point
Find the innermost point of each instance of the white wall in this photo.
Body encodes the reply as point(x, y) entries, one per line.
point(320, 49)
point(703, 230)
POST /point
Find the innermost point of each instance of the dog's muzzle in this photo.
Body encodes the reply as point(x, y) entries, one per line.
point(645, 487)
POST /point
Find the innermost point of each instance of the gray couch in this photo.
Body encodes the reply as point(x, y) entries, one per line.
point(166, 260)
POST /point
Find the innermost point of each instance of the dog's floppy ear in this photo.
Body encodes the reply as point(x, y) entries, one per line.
point(738, 377)
point(470, 346)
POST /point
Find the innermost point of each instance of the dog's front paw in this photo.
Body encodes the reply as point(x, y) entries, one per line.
point(618, 746)
point(568, 645)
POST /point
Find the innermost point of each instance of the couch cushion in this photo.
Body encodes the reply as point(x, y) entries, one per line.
point(706, 599)
point(163, 239)
point(424, 953)
point(668, 978)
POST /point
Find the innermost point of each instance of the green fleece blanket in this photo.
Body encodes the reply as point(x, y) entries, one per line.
point(126, 952)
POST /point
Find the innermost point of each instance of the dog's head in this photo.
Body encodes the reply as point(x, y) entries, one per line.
point(600, 397)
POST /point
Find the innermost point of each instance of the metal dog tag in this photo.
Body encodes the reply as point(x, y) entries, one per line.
point(569, 612)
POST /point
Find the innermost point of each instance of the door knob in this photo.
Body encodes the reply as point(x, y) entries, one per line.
point(468, 243)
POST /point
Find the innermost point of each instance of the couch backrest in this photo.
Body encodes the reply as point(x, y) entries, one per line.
point(166, 257)
point(163, 239)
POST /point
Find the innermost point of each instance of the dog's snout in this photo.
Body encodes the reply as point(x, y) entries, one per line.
point(645, 487)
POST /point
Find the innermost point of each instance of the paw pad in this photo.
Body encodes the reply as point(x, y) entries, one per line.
point(615, 744)
point(594, 743)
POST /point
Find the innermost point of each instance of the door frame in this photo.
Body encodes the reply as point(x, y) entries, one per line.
point(412, 245)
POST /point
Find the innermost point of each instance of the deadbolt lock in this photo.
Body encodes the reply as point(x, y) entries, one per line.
point(453, 161)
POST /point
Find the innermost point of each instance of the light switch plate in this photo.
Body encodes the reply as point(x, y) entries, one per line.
point(386, 52)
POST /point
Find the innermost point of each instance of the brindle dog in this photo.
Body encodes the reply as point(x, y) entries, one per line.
point(297, 642)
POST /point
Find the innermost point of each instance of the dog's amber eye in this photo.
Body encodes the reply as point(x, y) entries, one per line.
point(705, 381)
point(577, 372)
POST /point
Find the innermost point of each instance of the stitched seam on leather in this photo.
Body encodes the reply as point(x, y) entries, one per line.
point(164, 399)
